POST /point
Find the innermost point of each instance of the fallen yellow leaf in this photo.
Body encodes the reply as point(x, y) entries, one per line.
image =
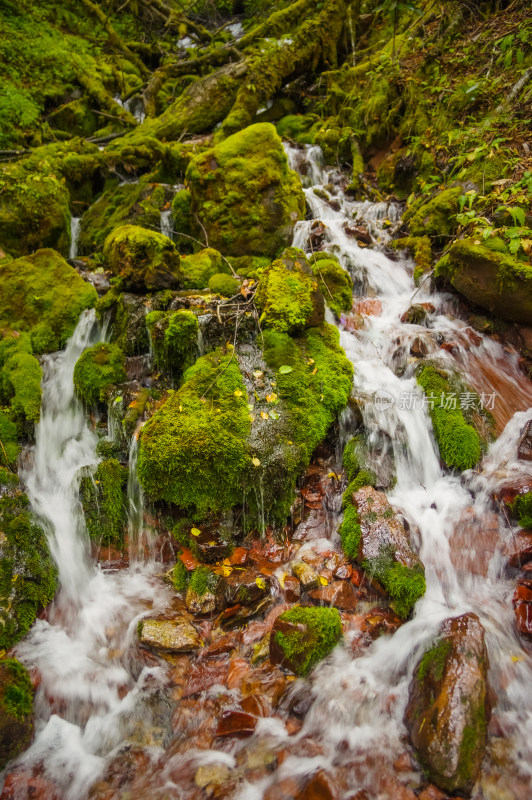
point(255, 461)
point(264, 415)
point(195, 531)
point(261, 583)
point(323, 581)
point(238, 393)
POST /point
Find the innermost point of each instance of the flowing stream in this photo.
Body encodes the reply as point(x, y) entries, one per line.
point(90, 695)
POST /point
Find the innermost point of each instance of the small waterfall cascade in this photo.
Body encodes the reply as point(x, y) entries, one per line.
point(75, 228)
point(167, 224)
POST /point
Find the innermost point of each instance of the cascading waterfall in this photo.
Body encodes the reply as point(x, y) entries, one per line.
point(367, 717)
point(167, 224)
point(89, 688)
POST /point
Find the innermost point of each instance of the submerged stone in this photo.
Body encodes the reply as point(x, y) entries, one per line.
point(448, 711)
point(244, 193)
point(170, 635)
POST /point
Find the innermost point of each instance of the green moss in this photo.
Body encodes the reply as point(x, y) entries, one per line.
point(335, 282)
point(144, 260)
point(350, 533)
point(323, 630)
point(522, 509)
point(245, 195)
point(436, 217)
point(97, 371)
point(458, 442)
point(200, 267)
point(405, 585)
point(193, 451)
point(9, 448)
point(434, 660)
point(224, 285)
point(27, 572)
point(174, 339)
point(103, 497)
point(288, 294)
point(20, 378)
point(137, 203)
point(355, 455)
point(203, 580)
point(42, 294)
point(298, 127)
point(180, 577)
point(363, 478)
point(421, 250)
point(17, 691)
point(494, 280)
point(182, 217)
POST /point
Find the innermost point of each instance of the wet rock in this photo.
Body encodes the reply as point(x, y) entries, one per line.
point(524, 447)
point(237, 614)
point(291, 589)
point(211, 775)
point(238, 557)
point(317, 232)
point(213, 544)
point(519, 549)
point(522, 603)
point(236, 723)
point(256, 705)
point(417, 314)
point(306, 575)
point(302, 636)
point(261, 651)
point(319, 787)
point(169, 635)
point(381, 528)
point(379, 622)
point(16, 710)
point(474, 541)
point(421, 346)
point(448, 711)
point(26, 786)
point(205, 675)
point(358, 232)
point(204, 596)
point(246, 587)
point(340, 594)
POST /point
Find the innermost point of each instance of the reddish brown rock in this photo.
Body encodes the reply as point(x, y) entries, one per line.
point(204, 675)
point(340, 594)
point(524, 448)
point(358, 232)
point(474, 541)
point(448, 708)
point(381, 529)
point(236, 723)
point(378, 622)
point(522, 603)
point(319, 787)
point(291, 589)
point(25, 786)
point(239, 556)
point(256, 705)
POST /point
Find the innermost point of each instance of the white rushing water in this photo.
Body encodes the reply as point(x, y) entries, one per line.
point(167, 224)
point(90, 687)
point(75, 227)
point(358, 703)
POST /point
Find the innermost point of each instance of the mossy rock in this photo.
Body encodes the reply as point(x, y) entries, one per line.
point(28, 573)
point(174, 337)
point(421, 250)
point(224, 285)
point(244, 193)
point(200, 267)
point(289, 295)
point(435, 218)
point(97, 371)
point(137, 203)
point(303, 636)
point(34, 211)
point(448, 707)
point(10, 448)
point(20, 379)
point(193, 451)
point(491, 279)
point(104, 501)
point(335, 282)
point(128, 316)
point(75, 118)
point(143, 260)
point(521, 509)
point(44, 295)
point(182, 217)
point(459, 443)
point(16, 710)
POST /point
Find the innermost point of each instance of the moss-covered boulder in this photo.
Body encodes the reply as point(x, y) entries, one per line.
point(97, 371)
point(435, 218)
point(289, 295)
point(303, 636)
point(137, 203)
point(448, 710)
point(9, 450)
point(244, 193)
point(459, 443)
point(104, 501)
point(373, 535)
point(335, 282)
point(174, 338)
point(16, 710)
point(27, 572)
point(200, 267)
point(127, 313)
point(224, 285)
point(34, 211)
point(20, 377)
point(494, 280)
point(193, 451)
point(144, 260)
point(168, 635)
point(43, 294)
